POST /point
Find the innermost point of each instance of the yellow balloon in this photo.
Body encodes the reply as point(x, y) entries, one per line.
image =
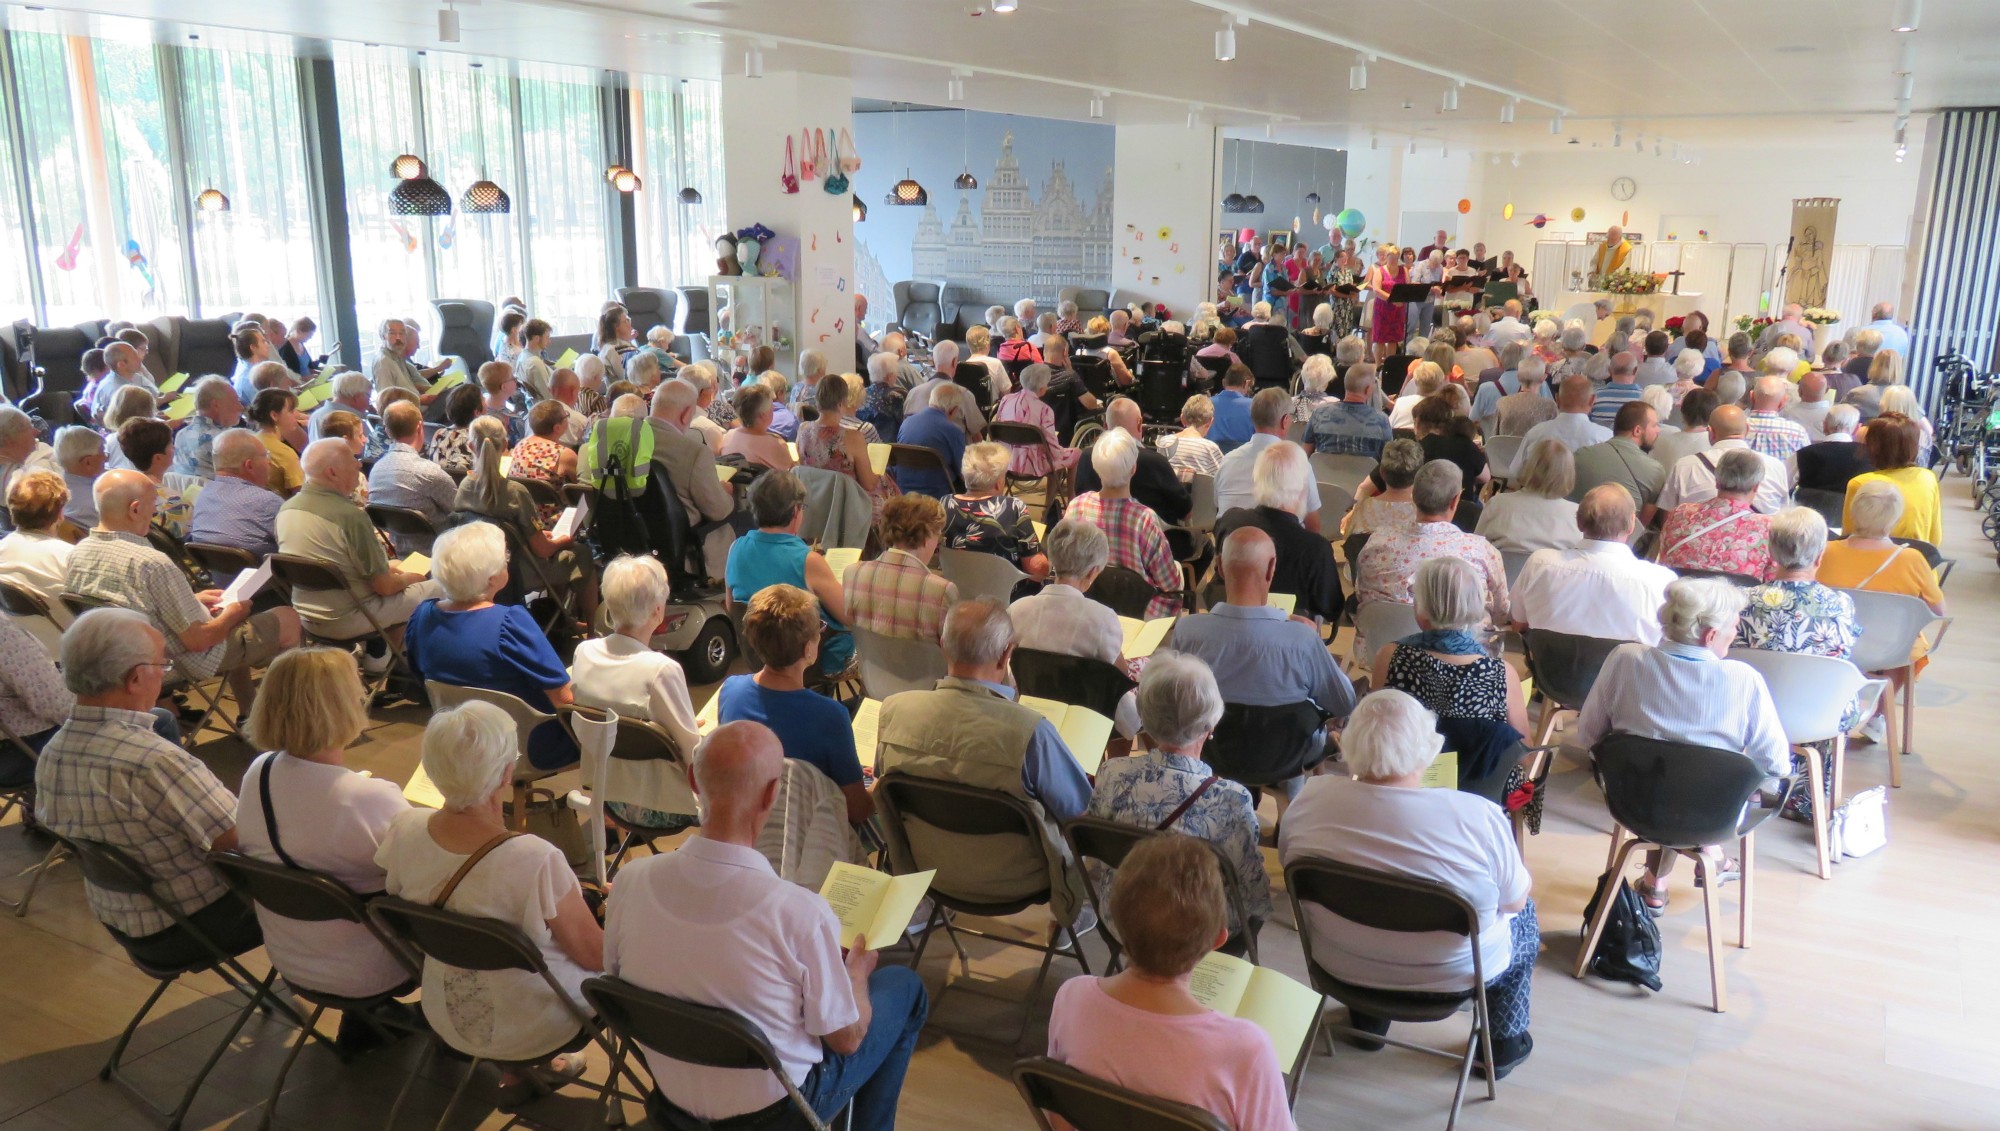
point(1576, 214)
point(1507, 212)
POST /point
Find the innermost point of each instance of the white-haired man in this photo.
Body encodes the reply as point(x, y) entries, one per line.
point(1771, 432)
point(1509, 328)
point(1611, 255)
point(1620, 390)
point(127, 367)
point(714, 412)
point(238, 507)
point(116, 565)
point(908, 376)
point(690, 466)
point(323, 523)
point(1894, 335)
point(1828, 464)
point(1236, 479)
point(1154, 481)
point(1599, 588)
point(350, 394)
point(80, 452)
point(1305, 558)
point(217, 409)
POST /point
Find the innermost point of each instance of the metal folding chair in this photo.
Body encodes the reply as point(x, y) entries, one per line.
point(1109, 842)
point(22, 797)
point(1085, 1103)
point(211, 700)
point(304, 574)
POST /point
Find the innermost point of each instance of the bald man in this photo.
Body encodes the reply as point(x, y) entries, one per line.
point(116, 565)
point(1599, 588)
point(1154, 481)
point(747, 941)
point(128, 367)
point(1769, 431)
point(1692, 478)
point(322, 522)
point(238, 508)
point(1572, 426)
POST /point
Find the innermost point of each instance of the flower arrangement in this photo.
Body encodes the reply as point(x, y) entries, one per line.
point(1543, 314)
point(1751, 324)
point(1820, 315)
point(1674, 325)
point(1629, 282)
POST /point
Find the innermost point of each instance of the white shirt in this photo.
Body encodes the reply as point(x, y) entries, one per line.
point(1402, 414)
point(1523, 522)
point(1510, 329)
point(618, 673)
point(1683, 693)
point(1596, 589)
point(332, 820)
point(38, 563)
point(1435, 834)
point(1811, 415)
point(1692, 481)
point(1235, 485)
point(1655, 371)
point(711, 923)
point(710, 432)
point(1573, 430)
point(1061, 619)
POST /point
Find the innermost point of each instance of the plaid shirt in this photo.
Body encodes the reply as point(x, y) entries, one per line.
point(107, 777)
point(1348, 429)
point(1138, 542)
point(1775, 435)
point(124, 570)
point(897, 595)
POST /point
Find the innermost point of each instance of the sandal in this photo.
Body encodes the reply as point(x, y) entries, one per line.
point(1652, 895)
point(540, 1081)
point(1728, 871)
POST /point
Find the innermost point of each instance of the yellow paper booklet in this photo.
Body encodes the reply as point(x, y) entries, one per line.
point(1443, 771)
point(1083, 730)
point(446, 381)
point(181, 408)
point(314, 395)
point(726, 471)
point(422, 791)
point(1144, 637)
point(1289, 602)
point(1282, 1007)
point(415, 563)
point(567, 359)
point(878, 458)
point(173, 384)
point(875, 905)
point(840, 557)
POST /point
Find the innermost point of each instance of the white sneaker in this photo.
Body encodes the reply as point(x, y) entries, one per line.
point(1875, 730)
point(376, 665)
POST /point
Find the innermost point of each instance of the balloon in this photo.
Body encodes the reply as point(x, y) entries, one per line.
point(1624, 218)
point(1540, 220)
point(1352, 222)
point(1332, 221)
point(1507, 212)
point(1576, 215)
point(1464, 206)
point(1246, 235)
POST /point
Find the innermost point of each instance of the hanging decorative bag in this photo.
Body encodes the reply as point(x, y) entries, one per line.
point(836, 177)
point(808, 168)
point(790, 177)
point(850, 161)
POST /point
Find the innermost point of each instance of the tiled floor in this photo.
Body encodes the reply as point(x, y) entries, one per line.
point(1866, 1002)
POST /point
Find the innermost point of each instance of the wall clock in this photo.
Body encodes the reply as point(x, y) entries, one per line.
point(1624, 188)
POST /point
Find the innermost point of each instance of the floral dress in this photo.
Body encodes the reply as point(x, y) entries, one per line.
point(818, 447)
point(1723, 535)
point(451, 449)
point(536, 458)
point(1346, 310)
point(997, 524)
point(1809, 619)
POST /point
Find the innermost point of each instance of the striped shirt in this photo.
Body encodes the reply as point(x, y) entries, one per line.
point(124, 570)
point(897, 595)
point(1611, 398)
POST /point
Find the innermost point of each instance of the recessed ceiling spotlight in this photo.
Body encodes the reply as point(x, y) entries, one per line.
point(1002, 7)
point(1908, 13)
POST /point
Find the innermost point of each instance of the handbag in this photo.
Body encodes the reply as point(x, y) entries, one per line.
point(789, 178)
point(551, 818)
point(808, 168)
point(850, 162)
point(836, 180)
point(1629, 948)
point(1860, 825)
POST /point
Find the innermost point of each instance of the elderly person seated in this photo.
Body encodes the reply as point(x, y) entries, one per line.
point(34, 556)
point(986, 519)
point(1685, 690)
point(302, 807)
point(1306, 568)
point(944, 427)
point(1190, 451)
point(1062, 620)
point(1168, 786)
point(1892, 441)
point(1725, 533)
point(1383, 500)
point(1014, 344)
point(1024, 406)
point(539, 455)
point(621, 672)
point(1314, 377)
point(896, 594)
point(496, 381)
point(490, 494)
point(350, 394)
point(1391, 557)
point(148, 446)
point(80, 456)
point(130, 403)
point(35, 703)
point(204, 636)
point(403, 477)
point(752, 440)
point(1450, 669)
point(1536, 514)
point(1598, 587)
point(108, 776)
point(1351, 425)
point(523, 881)
point(450, 447)
point(783, 628)
point(979, 351)
point(1138, 539)
point(830, 444)
point(1383, 818)
point(238, 507)
point(465, 640)
point(970, 730)
point(1868, 559)
point(1142, 1028)
point(1154, 480)
point(1885, 369)
point(812, 370)
point(216, 408)
point(322, 523)
point(774, 554)
point(768, 950)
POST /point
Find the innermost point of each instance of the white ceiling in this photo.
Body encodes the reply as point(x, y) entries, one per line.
point(1705, 73)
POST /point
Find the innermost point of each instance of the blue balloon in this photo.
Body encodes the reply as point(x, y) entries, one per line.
point(1351, 222)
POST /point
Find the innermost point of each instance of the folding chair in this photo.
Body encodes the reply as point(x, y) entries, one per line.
point(979, 574)
point(110, 869)
point(306, 575)
point(170, 544)
point(533, 575)
point(1387, 901)
point(968, 811)
point(1939, 564)
point(1515, 561)
point(402, 522)
point(1891, 625)
point(315, 897)
point(1256, 746)
point(541, 491)
point(1085, 1103)
point(1202, 515)
point(916, 457)
point(893, 664)
point(1335, 501)
point(469, 942)
point(22, 797)
point(632, 740)
point(1109, 842)
point(696, 1034)
point(211, 701)
point(1083, 680)
point(1126, 591)
point(26, 604)
point(221, 562)
point(526, 719)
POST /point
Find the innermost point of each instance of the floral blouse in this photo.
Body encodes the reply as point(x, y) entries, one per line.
point(998, 524)
point(451, 449)
point(1144, 789)
point(1803, 617)
point(536, 458)
point(1718, 534)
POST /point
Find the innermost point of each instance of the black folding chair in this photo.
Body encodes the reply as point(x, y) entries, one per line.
point(1085, 1103)
point(170, 544)
point(315, 897)
point(1126, 591)
point(19, 602)
point(1015, 434)
point(22, 797)
point(469, 942)
point(402, 522)
point(109, 869)
point(1260, 746)
point(1082, 680)
point(80, 604)
point(541, 491)
point(306, 575)
point(968, 811)
point(695, 1034)
point(1108, 842)
point(916, 457)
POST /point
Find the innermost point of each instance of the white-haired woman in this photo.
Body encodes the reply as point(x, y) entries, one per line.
point(1868, 559)
point(753, 440)
point(1382, 817)
point(489, 493)
point(1545, 341)
point(1061, 619)
point(979, 351)
point(1685, 690)
point(1689, 370)
point(1024, 406)
point(1317, 339)
point(1575, 342)
point(812, 368)
point(463, 858)
point(986, 519)
point(1661, 397)
point(1190, 450)
point(1169, 787)
point(1537, 513)
point(1138, 540)
point(1314, 377)
point(622, 672)
point(467, 640)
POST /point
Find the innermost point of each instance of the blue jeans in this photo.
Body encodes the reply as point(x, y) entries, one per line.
point(871, 1076)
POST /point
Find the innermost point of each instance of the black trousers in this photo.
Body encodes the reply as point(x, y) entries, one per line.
point(230, 923)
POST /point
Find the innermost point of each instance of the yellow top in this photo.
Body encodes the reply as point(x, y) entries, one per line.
point(1923, 515)
point(1905, 571)
point(1611, 256)
point(286, 474)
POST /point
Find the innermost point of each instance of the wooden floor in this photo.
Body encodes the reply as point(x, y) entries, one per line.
point(1865, 1002)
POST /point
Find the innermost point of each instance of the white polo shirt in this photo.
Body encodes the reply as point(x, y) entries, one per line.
point(711, 923)
point(1597, 589)
point(1692, 480)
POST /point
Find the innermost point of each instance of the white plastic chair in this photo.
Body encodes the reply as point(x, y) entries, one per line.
point(1334, 503)
point(891, 664)
point(980, 574)
point(1501, 454)
point(1380, 623)
point(1201, 517)
point(1891, 624)
point(1345, 471)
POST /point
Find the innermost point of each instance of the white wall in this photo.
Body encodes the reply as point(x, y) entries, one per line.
point(1389, 182)
point(1167, 178)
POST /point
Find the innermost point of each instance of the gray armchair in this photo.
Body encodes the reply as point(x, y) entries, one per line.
point(918, 310)
point(467, 330)
point(650, 307)
point(1090, 301)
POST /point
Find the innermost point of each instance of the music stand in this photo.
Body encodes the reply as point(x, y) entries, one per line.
point(1411, 292)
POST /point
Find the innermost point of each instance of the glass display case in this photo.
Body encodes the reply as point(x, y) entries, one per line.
point(747, 311)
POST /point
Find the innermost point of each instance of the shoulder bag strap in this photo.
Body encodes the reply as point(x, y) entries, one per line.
point(1863, 584)
point(1716, 525)
point(1706, 462)
point(271, 814)
point(478, 854)
point(1191, 799)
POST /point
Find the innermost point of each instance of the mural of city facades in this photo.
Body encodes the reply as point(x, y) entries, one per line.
point(1039, 221)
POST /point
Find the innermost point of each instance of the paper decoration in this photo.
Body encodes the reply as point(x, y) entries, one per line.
point(1507, 211)
point(1166, 233)
point(1540, 220)
point(1464, 206)
point(1576, 215)
point(1352, 222)
point(1180, 268)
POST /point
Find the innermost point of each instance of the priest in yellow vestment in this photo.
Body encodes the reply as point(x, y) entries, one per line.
point(1612, 253)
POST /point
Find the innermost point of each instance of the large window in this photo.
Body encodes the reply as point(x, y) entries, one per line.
point(469, 135)
point(569, 201)
point(679, 125)
point(378, 123)
point(148, 268)
point(66, 250)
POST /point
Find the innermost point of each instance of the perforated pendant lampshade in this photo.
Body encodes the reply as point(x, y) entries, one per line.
point(1253, 203)
point(484, 198)
point(407, 167)
point(1312, 198)
point(211, 200)
point(627, 181)
point(966, 181)
point(420, 196)
point(611, 173)
point(690, 195)
point(908, 191)
point(1233, 202)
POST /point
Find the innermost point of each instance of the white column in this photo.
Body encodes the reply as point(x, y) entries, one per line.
point(1167, 182)
point(757, 116)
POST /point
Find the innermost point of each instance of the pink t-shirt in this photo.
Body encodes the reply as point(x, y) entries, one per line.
point(1220, 1064)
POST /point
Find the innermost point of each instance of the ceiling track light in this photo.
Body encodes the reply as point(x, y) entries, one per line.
point(1507, 111)
point(1225, 40)
point(1373, 141)
point(1451, 96)
point(1617, 136)
point(1639, 141)
point(1097, 104)
point(1357, 75)
point(1656, 147)
point(1003, 7)
point(1413, 147)
point(1906, 88)
point(1906, 57)
point(753, 62)
point(1556, 126)
point(1908, 13)
point(447, 24)
point(1194, 117)
point(954, 87)
point(1517, 161)
point(1444, 150)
